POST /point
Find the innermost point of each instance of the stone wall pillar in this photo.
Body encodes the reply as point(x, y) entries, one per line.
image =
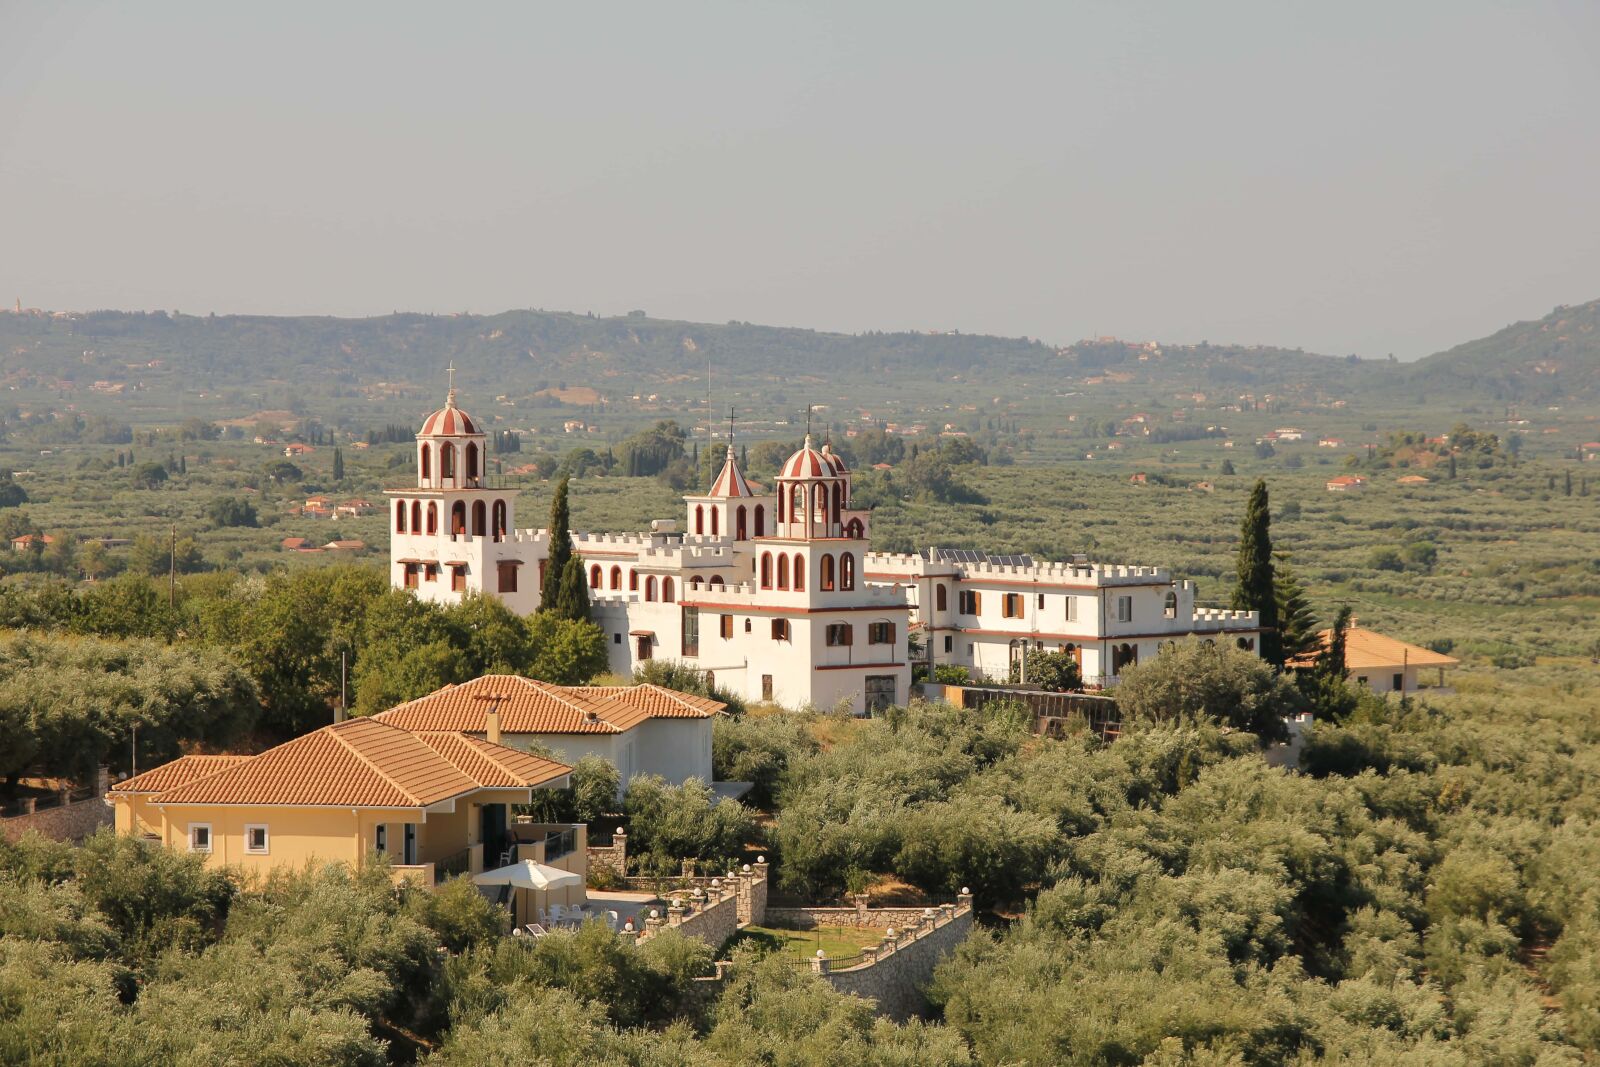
point(758, 892)
point(861, 908)
point(102, 780)
point(819, 964)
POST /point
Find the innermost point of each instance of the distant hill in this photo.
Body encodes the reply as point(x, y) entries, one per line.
point(245, 363)
point(1550, 359)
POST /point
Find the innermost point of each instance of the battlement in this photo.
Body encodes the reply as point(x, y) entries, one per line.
point(912, 564)
point(1222, 618)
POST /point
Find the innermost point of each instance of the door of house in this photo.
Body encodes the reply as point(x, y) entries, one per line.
point(492, 832)
point(409, 855)
point(880, 692)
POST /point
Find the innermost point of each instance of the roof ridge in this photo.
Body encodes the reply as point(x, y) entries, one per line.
point(402, 790)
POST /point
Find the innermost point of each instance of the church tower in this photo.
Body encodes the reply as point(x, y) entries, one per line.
point(452, 533)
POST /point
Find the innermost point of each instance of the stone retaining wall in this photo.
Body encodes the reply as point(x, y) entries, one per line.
point(895, 974)
point(69, 822)
point(711, 917)
point(614, 855)
point(860, 915)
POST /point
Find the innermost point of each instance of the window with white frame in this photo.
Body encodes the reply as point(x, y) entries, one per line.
point(255, 839)
point(199, 837)
point(1072, 609)
point(1124, 609)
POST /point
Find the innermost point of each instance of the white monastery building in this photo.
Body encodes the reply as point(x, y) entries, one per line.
point(776, 594)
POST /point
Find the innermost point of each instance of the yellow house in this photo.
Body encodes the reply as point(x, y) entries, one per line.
point(436, 802)
point(1383, 664)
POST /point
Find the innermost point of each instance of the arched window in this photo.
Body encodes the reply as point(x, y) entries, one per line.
point(699, 519)
point(714, 531)
point(458, 518)
point(761, 520)
point(716, 582)
point(695, 583)
point(399, 516)
point(1170, 607)
point(1123, 656)
point(667, 592)
point(416, 516)
point(766, 570)
point(847, 570)
point(616, 577)
point(740, 532)
point(499, 512)
point(838, 501)
point(650, 587)
point(478, 519)
point(783, 571)
point(433, 517)
point(633, 581)
point(472, 461)
point(447, 460)
point(594, 576)
point(819, 504)
point(825, 571)
point(797, 504)
point(854, 530)
point(427, 461)
point(799, 573)
point(941, 597)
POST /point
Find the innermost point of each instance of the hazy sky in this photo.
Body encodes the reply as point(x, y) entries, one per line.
point(1344, 176)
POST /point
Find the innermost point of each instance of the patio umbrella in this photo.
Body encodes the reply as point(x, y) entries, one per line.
point(529, 875)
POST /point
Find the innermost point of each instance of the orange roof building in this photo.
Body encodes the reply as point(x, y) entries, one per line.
point(640, 729)
point(432, 801)
point(1385, 664)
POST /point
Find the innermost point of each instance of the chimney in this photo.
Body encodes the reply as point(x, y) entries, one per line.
point(492, 720)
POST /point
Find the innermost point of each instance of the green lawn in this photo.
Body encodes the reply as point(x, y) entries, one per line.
point(836, 941)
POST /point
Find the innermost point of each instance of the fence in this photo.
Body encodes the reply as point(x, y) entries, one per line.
point(1053, 713)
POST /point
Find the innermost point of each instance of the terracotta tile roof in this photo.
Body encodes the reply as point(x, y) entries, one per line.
point(494, 765)
point(532, 707)
point(181, 771)
point(656, 701)
point(363, 763)
point(1367, 649)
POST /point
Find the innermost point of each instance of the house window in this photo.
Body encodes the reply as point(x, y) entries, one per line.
point(1169, 607)
point(650, 587)
point(880, 633)
point(825, 572)
point(645, 647)
point(847, 570)
point(616, 638)
point(458, 577)
point(970, 602)
point(1124, 609)
point(1041, 600)
point(766, 687)
point(880, 692)
point(400, 516)
point(1246, 643)
point(747, 623)
point(1399, 682)
point(430, 572)
point(255, 839)
point(1072, 609)
point(508, 576)
point(780, 629)
point(616, 577)
point(1011, 606)
point(433, 518)
point(949, 643)
point(799, 573)
point(783, 571)
point(411, 575)
point(941, 597)
point(380, 838)
point(761, 522)
point(726, 628)
point(766, 570)
point(840, 634)
point(199, 837)
point(691, 631)
point(594, 576)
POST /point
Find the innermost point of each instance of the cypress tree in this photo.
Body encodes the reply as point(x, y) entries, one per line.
point(572, 599)
point(560, 549)
point(1452, 466)
point(1330, 663)
point(338, 464)
point(1568, 487)
point(1227, 467)
point(1255, 590)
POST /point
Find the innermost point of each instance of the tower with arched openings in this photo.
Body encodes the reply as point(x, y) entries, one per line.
point(452, 532)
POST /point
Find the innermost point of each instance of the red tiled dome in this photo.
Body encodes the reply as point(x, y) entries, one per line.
point(807, 463)
point(449, 421)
